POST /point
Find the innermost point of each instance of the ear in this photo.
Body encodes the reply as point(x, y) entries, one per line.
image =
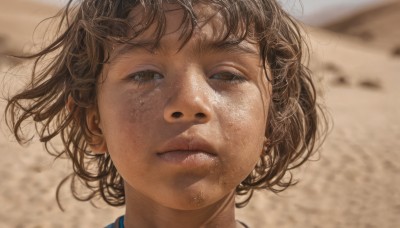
point(266, 144)
point(97, 142)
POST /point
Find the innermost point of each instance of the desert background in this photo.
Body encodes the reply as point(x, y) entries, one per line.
point(353, 182)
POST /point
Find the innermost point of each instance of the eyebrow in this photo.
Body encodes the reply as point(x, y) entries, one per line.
point(201, 47)
point(230, 46)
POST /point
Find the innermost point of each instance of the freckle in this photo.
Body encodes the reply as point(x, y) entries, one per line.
point(198, 199)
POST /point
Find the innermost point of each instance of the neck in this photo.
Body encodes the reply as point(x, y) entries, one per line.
point(143, 212)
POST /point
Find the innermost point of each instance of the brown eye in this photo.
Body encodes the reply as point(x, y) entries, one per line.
point(228, 77)
point(145, 76)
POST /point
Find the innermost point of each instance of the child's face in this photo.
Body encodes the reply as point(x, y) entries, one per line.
point(185, 127)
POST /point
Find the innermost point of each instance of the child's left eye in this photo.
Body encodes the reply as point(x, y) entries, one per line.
point(228, 76)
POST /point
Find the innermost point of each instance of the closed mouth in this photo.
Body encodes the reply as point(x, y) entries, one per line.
point(187, 146)
point(188, 152)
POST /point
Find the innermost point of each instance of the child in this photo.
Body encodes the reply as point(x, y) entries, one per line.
point(173, 108)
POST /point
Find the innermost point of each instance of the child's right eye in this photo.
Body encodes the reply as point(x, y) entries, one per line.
point(146, 76)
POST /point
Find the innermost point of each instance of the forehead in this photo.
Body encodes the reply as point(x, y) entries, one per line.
point(172, 26)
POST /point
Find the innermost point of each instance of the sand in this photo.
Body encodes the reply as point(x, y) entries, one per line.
point(354, 182)
point(374, 26)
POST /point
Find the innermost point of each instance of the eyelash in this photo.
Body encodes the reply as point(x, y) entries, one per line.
point(233, 77)
point(142, 77)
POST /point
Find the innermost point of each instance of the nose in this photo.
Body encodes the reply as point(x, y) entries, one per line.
point(189, 102)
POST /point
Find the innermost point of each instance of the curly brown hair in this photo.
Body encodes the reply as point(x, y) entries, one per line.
point(86, 33)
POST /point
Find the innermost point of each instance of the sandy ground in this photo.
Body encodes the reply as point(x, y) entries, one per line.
point(354, 183)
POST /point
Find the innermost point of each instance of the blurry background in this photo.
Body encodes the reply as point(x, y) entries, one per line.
point(355, 182)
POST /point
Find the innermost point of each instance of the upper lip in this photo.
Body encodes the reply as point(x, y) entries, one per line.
point(194, 143)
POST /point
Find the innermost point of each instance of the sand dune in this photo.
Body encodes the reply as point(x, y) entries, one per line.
point(355, 183)
point(375, 26)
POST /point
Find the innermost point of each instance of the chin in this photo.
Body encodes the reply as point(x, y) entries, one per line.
point(192, 199)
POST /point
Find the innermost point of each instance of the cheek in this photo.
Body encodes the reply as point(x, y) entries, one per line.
point(143, 109)
point(243, 117)
point(243, 128)
point(127, 118)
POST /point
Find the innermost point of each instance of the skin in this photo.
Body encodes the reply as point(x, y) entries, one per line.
point(147, 99)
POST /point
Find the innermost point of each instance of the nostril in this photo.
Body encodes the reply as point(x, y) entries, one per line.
point(177, 114)
point(200, 115)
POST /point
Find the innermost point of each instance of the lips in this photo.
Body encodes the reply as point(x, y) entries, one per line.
point(188, 152)
point(186, 144)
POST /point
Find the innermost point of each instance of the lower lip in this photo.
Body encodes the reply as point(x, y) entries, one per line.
point(188, 158)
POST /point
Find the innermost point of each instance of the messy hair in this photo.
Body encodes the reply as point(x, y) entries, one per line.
point(86, 34)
